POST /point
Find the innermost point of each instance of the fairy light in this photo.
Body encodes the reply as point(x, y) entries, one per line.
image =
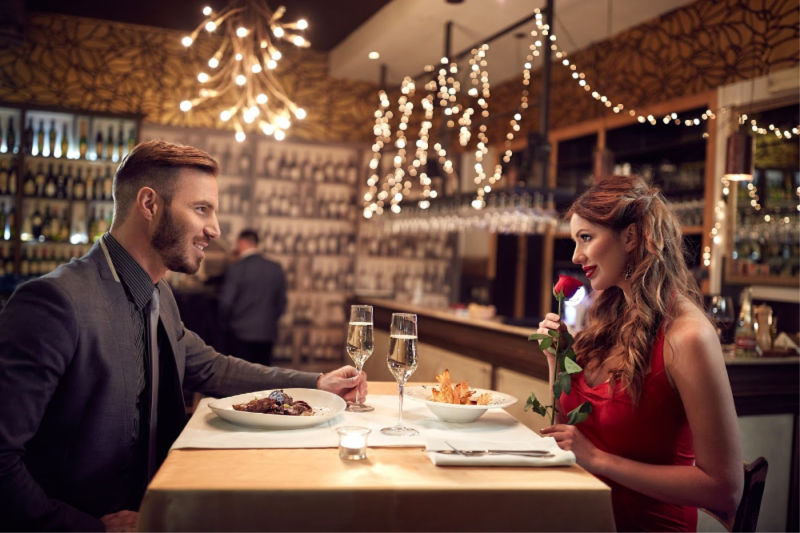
point(243, 65)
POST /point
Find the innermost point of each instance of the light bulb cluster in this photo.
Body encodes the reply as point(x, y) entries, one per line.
point(243, 65)
point(755, 127)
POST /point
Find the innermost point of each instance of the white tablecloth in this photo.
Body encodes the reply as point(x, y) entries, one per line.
point(206, 430)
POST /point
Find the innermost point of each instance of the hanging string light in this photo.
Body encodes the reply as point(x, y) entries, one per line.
point(241, 68)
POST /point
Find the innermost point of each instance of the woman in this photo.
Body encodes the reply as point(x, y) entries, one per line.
point(663, 431)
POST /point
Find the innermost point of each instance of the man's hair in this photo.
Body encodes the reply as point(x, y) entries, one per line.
point(155, 164)
point(249, 235)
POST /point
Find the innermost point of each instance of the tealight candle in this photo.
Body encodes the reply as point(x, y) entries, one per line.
point(353, 442)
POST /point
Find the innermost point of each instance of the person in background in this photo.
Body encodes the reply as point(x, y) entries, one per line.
point(252, 299)
point(663, 431)
point(93, 355)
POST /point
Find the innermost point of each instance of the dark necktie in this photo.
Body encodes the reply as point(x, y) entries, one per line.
point(152, 343)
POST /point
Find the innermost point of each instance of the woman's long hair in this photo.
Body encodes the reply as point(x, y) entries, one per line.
point(658, 275)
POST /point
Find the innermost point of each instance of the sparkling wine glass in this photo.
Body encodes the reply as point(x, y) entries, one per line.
point(720, 310)
point(402, 362)
point(359, 346)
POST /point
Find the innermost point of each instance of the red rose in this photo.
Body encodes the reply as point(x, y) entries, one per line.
point(566, 287)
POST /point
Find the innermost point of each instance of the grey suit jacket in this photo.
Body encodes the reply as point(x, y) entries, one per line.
point(68, 452)
point(253, 297)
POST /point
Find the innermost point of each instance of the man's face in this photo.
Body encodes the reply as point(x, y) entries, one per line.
point(189, 223)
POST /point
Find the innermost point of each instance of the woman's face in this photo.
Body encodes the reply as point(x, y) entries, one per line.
point(601, 252)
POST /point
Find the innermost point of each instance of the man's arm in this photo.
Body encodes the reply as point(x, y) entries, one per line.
point(37, 338)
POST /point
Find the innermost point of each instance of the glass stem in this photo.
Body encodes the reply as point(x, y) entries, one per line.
point(359, 373)
point(400, 413)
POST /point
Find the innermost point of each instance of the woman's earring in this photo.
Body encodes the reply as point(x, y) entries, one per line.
point(628, 271)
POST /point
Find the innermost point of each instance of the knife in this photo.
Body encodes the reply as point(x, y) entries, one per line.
point(479, 453)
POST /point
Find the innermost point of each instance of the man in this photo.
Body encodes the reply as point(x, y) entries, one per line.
point(82, 349)
point(253, 297)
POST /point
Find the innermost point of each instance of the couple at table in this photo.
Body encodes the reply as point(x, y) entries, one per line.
point(79, 352)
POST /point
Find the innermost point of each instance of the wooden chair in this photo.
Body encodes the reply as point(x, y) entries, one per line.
point(746, 517)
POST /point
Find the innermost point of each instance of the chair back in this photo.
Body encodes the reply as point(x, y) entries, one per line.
point(755, 477)
point(746, 517)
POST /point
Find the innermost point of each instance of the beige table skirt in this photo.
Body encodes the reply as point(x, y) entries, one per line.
point(395, 489)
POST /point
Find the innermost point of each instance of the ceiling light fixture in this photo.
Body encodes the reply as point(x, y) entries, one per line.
point(241, 69)
point(739, 157)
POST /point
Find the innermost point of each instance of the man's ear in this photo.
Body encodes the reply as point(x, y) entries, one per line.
point(146, 202)
point(630, 238)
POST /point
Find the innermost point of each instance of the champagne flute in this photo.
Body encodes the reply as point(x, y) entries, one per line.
point(359, 346)
point(720, 310)
point(402, 362)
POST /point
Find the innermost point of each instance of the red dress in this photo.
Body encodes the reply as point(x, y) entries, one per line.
point(656, 431)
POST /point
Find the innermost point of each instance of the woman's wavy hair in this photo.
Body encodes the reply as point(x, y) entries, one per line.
point(658, 274)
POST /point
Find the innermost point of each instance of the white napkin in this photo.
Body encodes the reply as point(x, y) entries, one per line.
point(560, 457)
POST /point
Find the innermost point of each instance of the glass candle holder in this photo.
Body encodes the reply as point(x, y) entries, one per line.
point(353, 443)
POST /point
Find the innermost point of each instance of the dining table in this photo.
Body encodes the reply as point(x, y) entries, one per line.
point(219, 476)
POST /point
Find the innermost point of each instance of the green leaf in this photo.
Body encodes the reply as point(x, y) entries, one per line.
point(571, 367)
point(538, 336)
point(534, 404)
point(544, 344)
point(579, 414)
point(565, 383)
point(570, 354)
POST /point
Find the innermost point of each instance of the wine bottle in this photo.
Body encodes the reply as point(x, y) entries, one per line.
point(37, 221)
point(27, 138)
point(50, 187)
point(83, 141)
point(98, 145)
point(78, 186)
point(110, 144)
point(4, 176)
point(51, 138)
point(40, 138)
point(64, 141)
point(41, 179)
point(11, 137)
point(120, 143)
point(131, 139)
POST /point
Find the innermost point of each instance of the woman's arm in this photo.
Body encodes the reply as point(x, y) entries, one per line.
point(694, 362)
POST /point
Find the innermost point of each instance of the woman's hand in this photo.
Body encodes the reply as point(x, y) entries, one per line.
point(551, 322)
point(570, 438)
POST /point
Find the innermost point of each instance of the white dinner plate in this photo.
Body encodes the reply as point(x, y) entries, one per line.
point(450, 412)
point(325, 406)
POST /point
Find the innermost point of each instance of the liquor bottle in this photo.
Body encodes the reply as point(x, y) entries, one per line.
point(745, 339)
point(98, 145)
point(11, 136)
point(64, 141)
point(83, 141)
point(40, 138)
point(51, 138)
point(62, 183)
point(90, 187)
point(108, 181)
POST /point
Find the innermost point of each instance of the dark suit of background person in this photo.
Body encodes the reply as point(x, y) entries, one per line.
point(67, 455)
point(252, 299)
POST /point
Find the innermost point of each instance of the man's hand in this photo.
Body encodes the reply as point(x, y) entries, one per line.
point(344, 381)
point(124, 521)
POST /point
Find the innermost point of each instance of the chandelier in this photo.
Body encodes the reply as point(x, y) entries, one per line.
point(240, 72)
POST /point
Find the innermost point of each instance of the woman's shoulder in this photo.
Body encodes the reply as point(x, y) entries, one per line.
point(689, 334)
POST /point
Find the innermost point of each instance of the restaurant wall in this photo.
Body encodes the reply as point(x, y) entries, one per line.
point(102, 66)
point(697, 47)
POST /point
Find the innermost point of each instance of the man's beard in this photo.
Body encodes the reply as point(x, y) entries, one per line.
point(167, 241)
